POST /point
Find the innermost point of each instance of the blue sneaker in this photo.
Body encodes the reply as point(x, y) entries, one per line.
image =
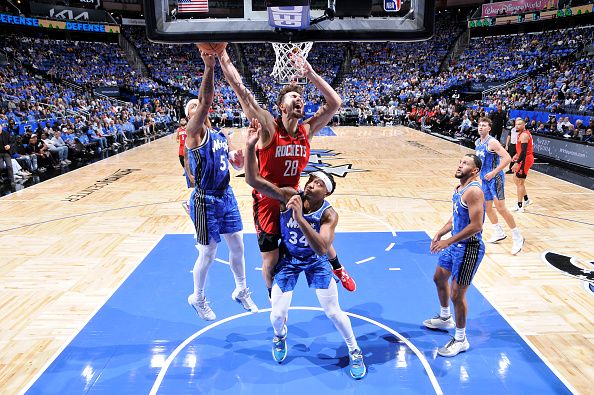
point(358, 368)
point(279, 347)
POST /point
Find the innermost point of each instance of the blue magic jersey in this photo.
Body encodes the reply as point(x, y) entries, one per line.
point(294, 240)
point(489, 158)
point(209, 163)
point(461, 216)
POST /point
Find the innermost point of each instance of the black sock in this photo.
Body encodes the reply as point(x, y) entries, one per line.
point(525, 197)
point(269, 293)
point(335, 263)
point(520, 204)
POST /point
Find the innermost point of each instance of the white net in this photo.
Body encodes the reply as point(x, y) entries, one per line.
point(290, 60)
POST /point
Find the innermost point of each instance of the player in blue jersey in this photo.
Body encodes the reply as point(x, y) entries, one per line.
point(460, 255)
point(213, 207)
point(495, 158)
point(307, 226)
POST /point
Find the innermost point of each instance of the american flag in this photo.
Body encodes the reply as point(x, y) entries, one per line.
point(192, 6)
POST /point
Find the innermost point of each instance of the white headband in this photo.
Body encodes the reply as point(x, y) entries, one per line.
point(325, 179)
point(187, 108)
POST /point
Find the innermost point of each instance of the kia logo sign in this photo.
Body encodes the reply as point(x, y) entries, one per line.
point(68, 14)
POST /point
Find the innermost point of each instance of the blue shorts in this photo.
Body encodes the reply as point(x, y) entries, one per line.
point(494, 188)
point(462, 260)
point(214, 215)
point(318, 272)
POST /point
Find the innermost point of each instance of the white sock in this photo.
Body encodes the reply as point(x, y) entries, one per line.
point(445, 312)
point(498, 228)
point(460, 334)
point(351, 343)
point(516, 232)
point(199, 293)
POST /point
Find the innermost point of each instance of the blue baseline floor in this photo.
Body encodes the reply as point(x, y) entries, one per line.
point(123, 347)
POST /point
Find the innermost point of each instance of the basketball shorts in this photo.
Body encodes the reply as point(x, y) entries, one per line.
point(267, 221)
point(494, 188)
point(522, 171)
point(318, 272)
point(462, 260)
point(214, 214)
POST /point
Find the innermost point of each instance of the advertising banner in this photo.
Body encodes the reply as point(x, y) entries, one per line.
point(564, 150)
point(513, 7)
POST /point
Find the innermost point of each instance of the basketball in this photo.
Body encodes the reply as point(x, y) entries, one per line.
point(212, 48)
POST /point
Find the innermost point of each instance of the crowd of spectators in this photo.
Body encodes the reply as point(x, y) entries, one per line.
point(49, 109)
point(51, 122)
point(565, 86)
point(180, 66)
point(87, 64)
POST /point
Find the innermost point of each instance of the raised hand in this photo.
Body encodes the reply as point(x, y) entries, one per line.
point(296, 204)
point(253, 133)
point(209, 59)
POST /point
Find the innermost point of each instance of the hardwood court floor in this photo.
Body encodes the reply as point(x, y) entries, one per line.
point(67, 243)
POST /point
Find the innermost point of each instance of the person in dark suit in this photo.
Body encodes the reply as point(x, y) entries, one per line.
point(499, 119)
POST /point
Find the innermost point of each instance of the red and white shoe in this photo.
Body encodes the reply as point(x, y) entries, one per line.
point(347, 281)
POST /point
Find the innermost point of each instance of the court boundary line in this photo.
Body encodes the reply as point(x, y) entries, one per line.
point(86, 322)
point(526, 340)
point(187, 341)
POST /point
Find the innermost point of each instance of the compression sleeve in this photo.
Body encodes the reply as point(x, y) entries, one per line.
point(522, 156)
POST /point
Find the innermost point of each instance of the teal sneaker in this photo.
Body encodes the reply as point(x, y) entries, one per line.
point(279, 347)
point(358, 368)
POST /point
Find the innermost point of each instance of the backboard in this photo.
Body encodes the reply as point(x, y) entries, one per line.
point(190, 21)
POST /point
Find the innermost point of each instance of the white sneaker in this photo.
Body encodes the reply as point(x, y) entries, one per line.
point(202, 308)
point(517, 209)
point(243, 298)
point(438, 322)
point(517, 245)
point(454, 347)
point(497, 237)
point(527, 202)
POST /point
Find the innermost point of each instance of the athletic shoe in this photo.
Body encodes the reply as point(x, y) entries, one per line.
point(497, 237)
point(243, 298)
point(358, 368)
point(279, 346)
point(454, 347)
point(438, 322)
point(527, 202)
point(202, 308)
point(517, 245)
point(186, 207)
point(346, 280)
point(517, 209)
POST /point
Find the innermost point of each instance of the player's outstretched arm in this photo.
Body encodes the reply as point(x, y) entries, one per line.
point(247, 100)
point(252, 173)
point(195, 126)
point(327, 111)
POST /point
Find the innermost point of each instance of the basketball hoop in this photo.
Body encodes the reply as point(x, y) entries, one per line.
point(290, 60)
